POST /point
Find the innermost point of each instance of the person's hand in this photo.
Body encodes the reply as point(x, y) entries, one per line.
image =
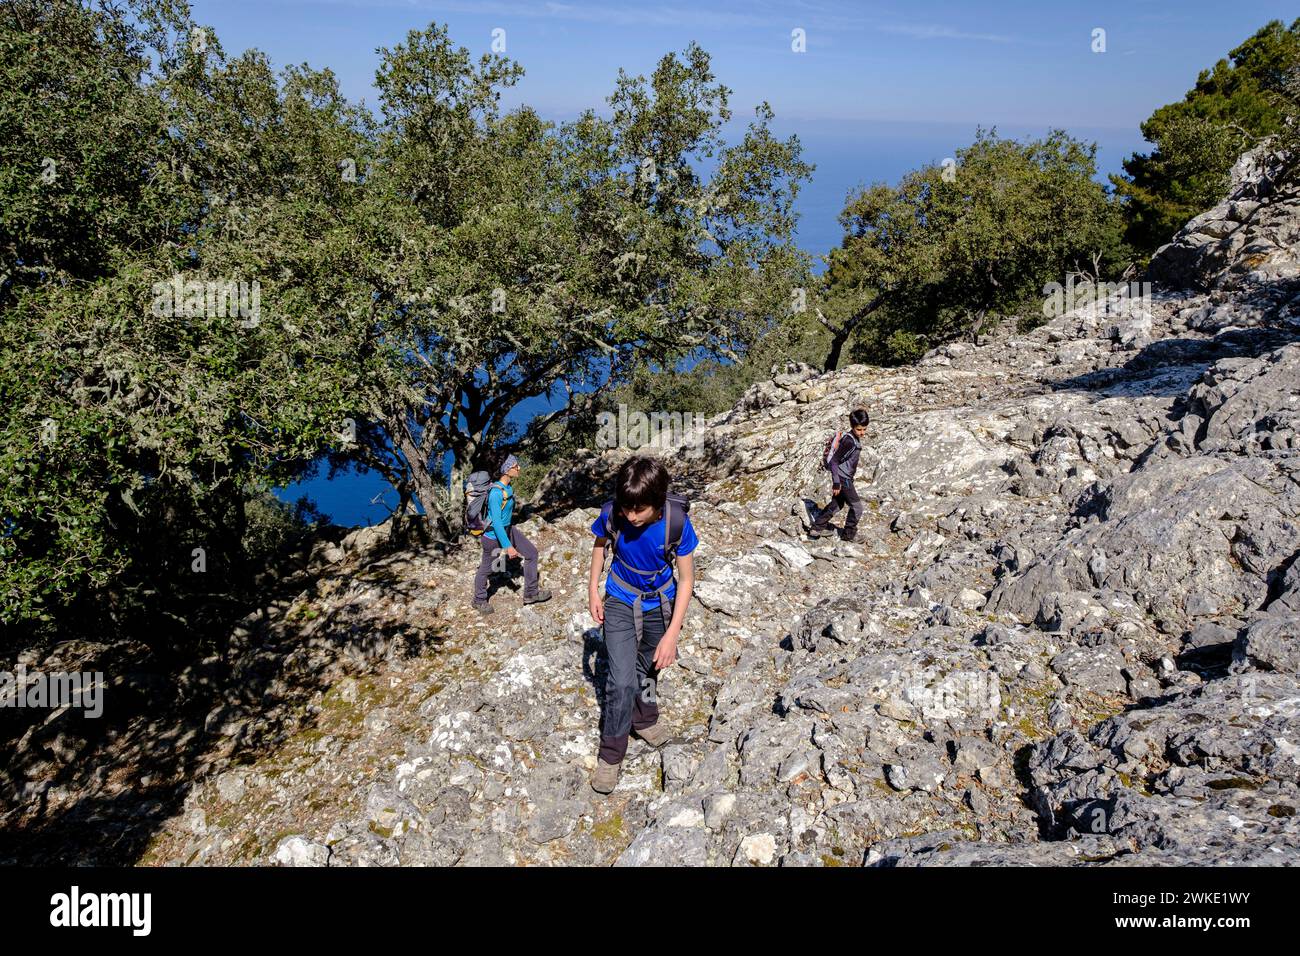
point(835, 491)
point(512, 552)
point(596, 606)
point(666, 652)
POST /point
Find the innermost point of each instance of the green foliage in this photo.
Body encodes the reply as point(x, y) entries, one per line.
point(420, 271)
point(516, 258)
point(901, 347)
point(134, 427)
point(529, 480)
point(949, 250)
point(709, 386)
point(1197, 139)
point(274, 526)
point(1289, 136)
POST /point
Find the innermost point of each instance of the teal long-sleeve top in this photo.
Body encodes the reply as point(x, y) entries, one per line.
point(501, 508)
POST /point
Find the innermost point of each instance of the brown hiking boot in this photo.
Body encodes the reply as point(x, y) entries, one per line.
point(656, 735)
point(605, 779)
point(543, 595)
point(816, 532)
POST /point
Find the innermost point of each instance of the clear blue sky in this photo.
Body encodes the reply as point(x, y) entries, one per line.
point(962, 61)
point(882, 87)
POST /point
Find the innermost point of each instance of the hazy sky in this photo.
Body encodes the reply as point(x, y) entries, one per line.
point(1020, 63)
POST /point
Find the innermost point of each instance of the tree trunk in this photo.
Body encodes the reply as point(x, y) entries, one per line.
point(838, 338)
point(423, 486)
point(426, 492)
point(840, 335)
point(400, 518)
point(458, 472)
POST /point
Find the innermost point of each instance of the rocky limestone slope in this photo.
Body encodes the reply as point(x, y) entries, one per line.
point(1069, 632)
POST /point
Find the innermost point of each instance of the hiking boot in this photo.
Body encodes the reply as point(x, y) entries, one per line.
point(605, 779)
point(543, 595)
point(815, 532)
point(848, 535)
point(483, 607)
point(656, 735)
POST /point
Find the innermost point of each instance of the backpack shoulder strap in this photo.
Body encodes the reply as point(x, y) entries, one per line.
point(505, 495)
point(675, 508)
point(611, 524)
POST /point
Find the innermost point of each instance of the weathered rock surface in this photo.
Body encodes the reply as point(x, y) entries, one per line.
point(1066, 633)
point(1251, 238)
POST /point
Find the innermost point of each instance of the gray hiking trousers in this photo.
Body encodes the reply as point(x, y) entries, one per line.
point(631, 678)
point(527, 550)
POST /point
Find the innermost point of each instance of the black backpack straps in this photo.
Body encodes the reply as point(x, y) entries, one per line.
point(607, 514)
point(674, 515)
point(674, 524)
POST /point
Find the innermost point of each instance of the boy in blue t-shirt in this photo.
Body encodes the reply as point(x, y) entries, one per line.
point(643, 608)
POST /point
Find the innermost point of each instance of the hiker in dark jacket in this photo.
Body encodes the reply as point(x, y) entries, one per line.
point(843, 465)
point(643, 608)
point(499, 534)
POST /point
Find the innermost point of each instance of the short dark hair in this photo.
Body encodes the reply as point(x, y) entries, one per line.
point(859, 416)
point(641, 481)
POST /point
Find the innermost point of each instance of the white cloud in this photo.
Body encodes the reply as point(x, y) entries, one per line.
point(921, 31)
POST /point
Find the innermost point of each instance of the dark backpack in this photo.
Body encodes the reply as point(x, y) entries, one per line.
point(477, 486)
point(675, 509)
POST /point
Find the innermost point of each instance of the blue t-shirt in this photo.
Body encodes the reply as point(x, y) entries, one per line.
point(643, 548)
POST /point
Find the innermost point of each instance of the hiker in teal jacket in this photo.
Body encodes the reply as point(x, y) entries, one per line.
point(499, 534)
point(501, 509)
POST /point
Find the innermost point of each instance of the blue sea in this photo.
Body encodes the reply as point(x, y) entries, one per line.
point(847, 155)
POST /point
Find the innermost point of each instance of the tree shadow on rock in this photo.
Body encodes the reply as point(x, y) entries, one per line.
point(78, 790)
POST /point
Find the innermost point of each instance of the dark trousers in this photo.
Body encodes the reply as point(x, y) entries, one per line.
point(848, 497)
point(631, 678)
point(527, 550)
